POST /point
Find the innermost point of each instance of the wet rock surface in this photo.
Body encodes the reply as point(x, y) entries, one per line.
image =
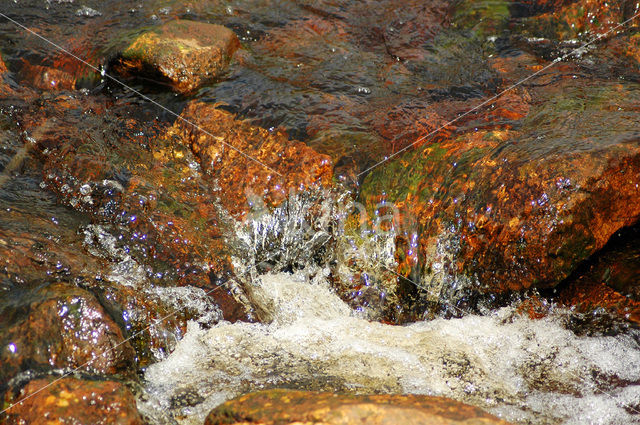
point(5, 90)
point(72, 400)
point(186, 53)
point(516, 205)
point(604, 290)
point(569, 20)
point(300, 407)
point(249, 162)
point(132, 188)
point(63, 327)
point(115, 215)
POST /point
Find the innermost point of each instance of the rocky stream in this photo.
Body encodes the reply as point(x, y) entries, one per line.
point(320, 212)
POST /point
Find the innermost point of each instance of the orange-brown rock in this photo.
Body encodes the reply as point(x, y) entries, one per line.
point(284, 407)
point(5, 90)
point(63, 327)
point(610, 281)
point(247, 161)
point(3, 67)
point(586, 295)
point(518, 207)
point(98, 162)
point(47, 78)
point(73, 401)
point(187, 54)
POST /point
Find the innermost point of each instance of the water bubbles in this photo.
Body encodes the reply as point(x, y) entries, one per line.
point(87, 12)
point(85, 189)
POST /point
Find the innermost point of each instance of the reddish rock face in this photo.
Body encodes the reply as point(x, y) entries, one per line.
point(96, 167)
point(76, 401)
point(5, 90)
point(304, 407)
point(65, 327)
point(188, 54)
point(254, 171)
point(608, 282)
point(510, 208)
point(588, 295)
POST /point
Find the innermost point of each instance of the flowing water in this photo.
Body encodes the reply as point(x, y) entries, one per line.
point(527, 371)
point(347, 79)
point(541, 371)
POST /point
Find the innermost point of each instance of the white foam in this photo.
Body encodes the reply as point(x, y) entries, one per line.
point(529, 372)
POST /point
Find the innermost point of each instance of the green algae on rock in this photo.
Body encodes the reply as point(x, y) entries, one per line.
point(72, 400)
point(188, 54)
point(286, 407)
point(482, 18)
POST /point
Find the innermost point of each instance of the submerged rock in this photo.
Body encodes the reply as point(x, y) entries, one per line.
point(511, 201)
point(62, 327)
point(606, 289)
point(72, 400)
point(301, 407)
point(187, 54)
point(47, 78)
point(248, 163)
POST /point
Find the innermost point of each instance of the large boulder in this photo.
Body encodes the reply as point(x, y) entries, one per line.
point(187, 54)
point(286, 407)
point(72, 400)
point(511, 201)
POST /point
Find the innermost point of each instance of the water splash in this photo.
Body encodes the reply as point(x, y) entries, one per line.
point(508, 364)
point(326, 231)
